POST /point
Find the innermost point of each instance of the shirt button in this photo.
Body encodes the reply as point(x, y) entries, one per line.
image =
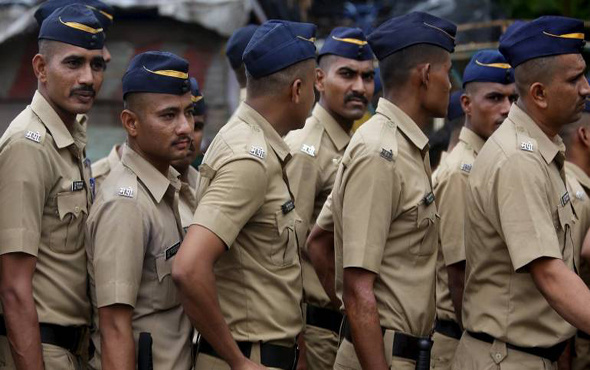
point(76, 209)
point(498, 356)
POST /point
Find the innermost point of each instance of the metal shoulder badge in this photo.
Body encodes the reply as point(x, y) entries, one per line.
point(466, 167)
point(387, 154)
point(257, 151)
point(126, 192)
point(33, 136)
point(308, 149)
point(527, 146)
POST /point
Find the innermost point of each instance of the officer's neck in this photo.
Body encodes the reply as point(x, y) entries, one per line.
point(68, 118)
point(346, 124)
point(161, 165)
point(273, 112)
point(468, 124)
point(539, 119)
point(407, 101)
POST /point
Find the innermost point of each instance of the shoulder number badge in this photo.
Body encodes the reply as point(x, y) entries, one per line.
point(33, 136)
point(527, 146)
point(126, 192)
point(466, 167)
point(308, 149)
point(257, 152)
point(387, 154)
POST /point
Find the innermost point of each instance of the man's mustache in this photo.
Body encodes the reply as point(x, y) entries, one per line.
point(83, 88)
point(351, 96)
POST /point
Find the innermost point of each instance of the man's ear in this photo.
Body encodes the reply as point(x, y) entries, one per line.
point(129, 120)
point(296, 88)
point(40, 68)
point(466, 103)
point(538, 93)
point(320, 77)
point(424, 73)
point(584, 136)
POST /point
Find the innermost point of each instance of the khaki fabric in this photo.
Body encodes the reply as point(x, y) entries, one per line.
point(54, 358)
point(582, 359)
point(207, 362)
point(188, 197)
point(385, 218)
point(316, 152)
point(45, 196)
point(133, 234)
point(474, 354)
point(325, 219)
point(346, 358)
point(578, 186)
point(443, 351)
point(449, 182)
point(518, 212)
point(102, 167)
point(321, 346)
point(243, 198)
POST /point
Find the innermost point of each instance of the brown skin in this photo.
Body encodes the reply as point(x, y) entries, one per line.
point(106, 54)
point(346, 87)
point(158, 128)
point(425, 95)
point(192, 270)
point(69, 79)
point(320, 248)
point(182, 165)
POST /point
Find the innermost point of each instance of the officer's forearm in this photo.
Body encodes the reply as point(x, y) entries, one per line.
point(116, 337)
point(19, 311)
point(361, 309)
point(456, 273)
point(564, 290)
point(320, 248)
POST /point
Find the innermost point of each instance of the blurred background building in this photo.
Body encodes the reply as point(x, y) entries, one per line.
point(199, 29)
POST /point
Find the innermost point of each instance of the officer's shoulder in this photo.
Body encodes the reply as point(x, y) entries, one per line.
point(26, 128)
point(460, 159)
point(240, 140)
point(306, 141)
point(514, 140)
point(101, 167)
point(377, 137)
point(120, 183)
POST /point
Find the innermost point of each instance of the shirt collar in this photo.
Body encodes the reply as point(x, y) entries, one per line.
point(252, 117)
point(339, 137)
point(404, 122)
point(60, 133)
point(580, 175)
point(156, 183)
point(113, 157)
point(472, 139)
point(547, 147)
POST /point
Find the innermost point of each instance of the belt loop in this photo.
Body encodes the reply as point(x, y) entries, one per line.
point(255, 355)
point(388, 338)
point(498, 351)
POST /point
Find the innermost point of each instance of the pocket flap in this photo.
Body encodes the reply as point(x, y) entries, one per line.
point(73, 202)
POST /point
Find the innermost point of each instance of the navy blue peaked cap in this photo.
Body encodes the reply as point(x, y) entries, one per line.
point(412, 29)
point(103, 12)
point(157, 72)
point(197, 98)
point(488, 66)
point(347, 42)
point(75, 25)
point(543, 37)
point(237, 44)
point(277, 45)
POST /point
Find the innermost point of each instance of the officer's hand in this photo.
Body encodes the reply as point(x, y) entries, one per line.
point(249, 365)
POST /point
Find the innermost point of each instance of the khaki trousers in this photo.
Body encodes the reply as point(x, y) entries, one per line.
point(321, 346)
point(206, 362)
point(443, 351)
point(54, 357)
point(346, 358)
point(474, 354)
point(582, 359)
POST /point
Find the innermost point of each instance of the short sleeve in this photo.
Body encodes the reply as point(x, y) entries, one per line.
point(303, 177)
point(450, 201)
point(526, 218)
point(24, 185)
point(370, 197)
point(325, 219)
point(234, 195)
point(119, 235)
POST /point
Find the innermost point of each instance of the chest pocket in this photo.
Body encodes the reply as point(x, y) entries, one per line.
point(67, 232)
point(424, 242)
point(290, 233)
point(164, 294)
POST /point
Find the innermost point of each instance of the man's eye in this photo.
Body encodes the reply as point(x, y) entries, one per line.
point(73, 63)
point(98, 66)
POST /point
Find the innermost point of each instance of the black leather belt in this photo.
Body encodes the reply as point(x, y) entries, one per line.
point(449, 328)
point(583, 335)
point(271, 355)
point(552, 353)
point(404, 345)
point(67, 337)
point(324, 318)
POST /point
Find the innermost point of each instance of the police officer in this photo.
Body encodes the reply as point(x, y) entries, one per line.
point(488, 83)
point(188, 174)
point(577, 172)
point(520, 289)
point(45, 196)
point(345, 82)
point(103, 12)
point(234, 50)
point(385, 218)
point(134, 228)
point(248, 309)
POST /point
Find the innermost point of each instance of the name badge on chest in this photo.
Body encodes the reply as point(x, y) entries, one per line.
point(429, 199)
point(288, 206)
point(171, 251)
point(77, 185)
point(565, 199)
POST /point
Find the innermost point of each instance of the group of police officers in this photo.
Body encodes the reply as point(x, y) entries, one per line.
point(294, 230)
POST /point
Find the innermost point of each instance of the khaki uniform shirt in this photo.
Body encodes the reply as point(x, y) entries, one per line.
point(133, 234)
point(449, 181)
point(188, 198)
point(385, 218)
point(316, 151)
point(518, 211)
point(325, 219)
point(578, 186)
point(243, 198)
point(45, 196)
point(102, 167)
